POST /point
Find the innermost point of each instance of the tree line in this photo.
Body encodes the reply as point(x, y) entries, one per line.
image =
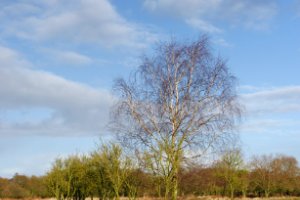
point(21, 186)
point(109, 173)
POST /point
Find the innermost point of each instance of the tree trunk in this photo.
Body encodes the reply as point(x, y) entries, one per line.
point(244, 193)
point(175, 190)
point(267, 193)
point(57, 193)
point(167, 191)
point(117, 196)
point(159, 190)
point(175, 185)
point(231, 193)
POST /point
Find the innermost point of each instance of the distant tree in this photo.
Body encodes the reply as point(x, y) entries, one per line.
point(76, 177)
point(37, 187)
point(132, 183)
point(284, 170)
point(93, 178)
point(102, 182)
point(15, 191)
point(21, 186)
point(297, 184)
point(55, 180)
point(73, 178)
point(243, 181)
point(3, 185)
point(262, 178)
point(198, 180)
point(228, 167)
point(153, 163)
point(178, 104)
point(116, 165)
point(21, 180)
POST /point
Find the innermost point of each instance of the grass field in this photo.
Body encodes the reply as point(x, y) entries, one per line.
point(182, 198)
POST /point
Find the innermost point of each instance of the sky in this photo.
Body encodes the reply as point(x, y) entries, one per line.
point(59, 59)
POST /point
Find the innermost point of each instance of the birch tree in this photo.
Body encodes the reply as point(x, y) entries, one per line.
point(179, 103)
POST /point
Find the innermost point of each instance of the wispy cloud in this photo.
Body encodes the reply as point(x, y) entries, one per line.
point(203, 25)
point(89, 21)
point(70, 57)
point(271, 112)
point(245, 13)
point(274, 100)
point(10, 58)
point(188, 8)
point(222, 42)
point(271, 126)
point(73, 108)
point(272, 119)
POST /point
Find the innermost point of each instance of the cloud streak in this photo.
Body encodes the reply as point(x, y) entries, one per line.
point(70, 57)
point(79, 21)
point(203, 25)
point(274, 100)
point(272, 112)
point(204, 14)
point(71, 108)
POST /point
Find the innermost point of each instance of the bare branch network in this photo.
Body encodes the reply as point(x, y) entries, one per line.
point(176, 105)
point(182, 96)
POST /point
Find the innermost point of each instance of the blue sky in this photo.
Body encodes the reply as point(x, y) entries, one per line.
point(58, 60)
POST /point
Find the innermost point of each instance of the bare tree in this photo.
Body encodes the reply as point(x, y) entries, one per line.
point(261, 174)
point(228, 167)
point(284, 169)
point(177, 105)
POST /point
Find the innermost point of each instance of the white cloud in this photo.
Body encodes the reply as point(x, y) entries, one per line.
point(18, 9)
point(188, 8)
point(74, 108)
point(222, 42)
point(272, 120)
point(81, 21)
point(10, 58)
point(70, 57)
point(274, 100)
point(245, 13)
point(270, 125)
point(203, 25)
point(250, 89)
